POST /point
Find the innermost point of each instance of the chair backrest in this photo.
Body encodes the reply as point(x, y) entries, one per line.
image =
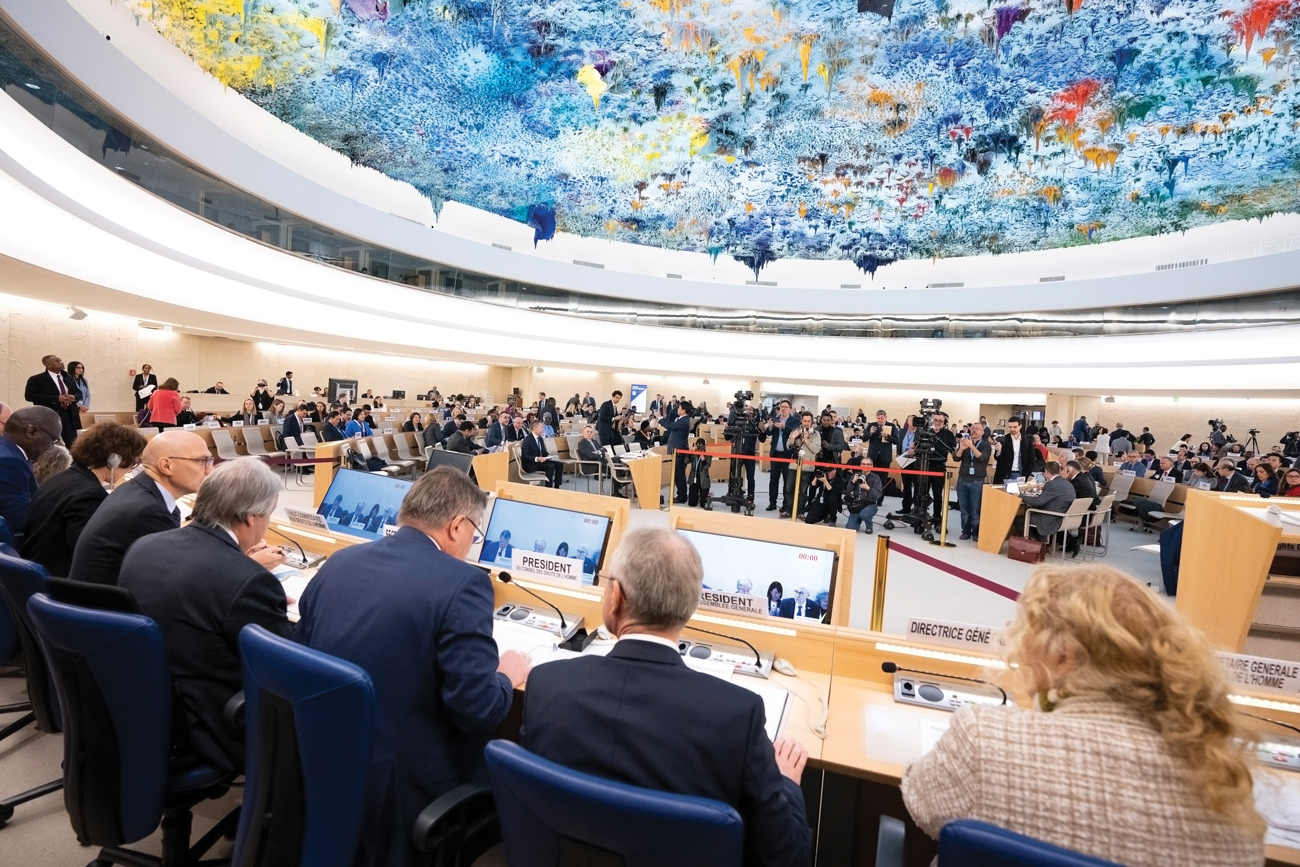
point(1104, 506)
point(547, 809)
point(1075, 514)
point(19, 580)
point(1120, 485)
point(403, 447)
point(620, 448)
point(225, 444)
point(6, 537)
point(115, 691)
point(105, 597)
point(308, 719)
point(634, 446)
point(967, 843)
point(254, 443)
point(1161, 490)
point(309, 439)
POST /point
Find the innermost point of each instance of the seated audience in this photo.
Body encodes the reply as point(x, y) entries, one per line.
point(1265, 480)
point(1290, 485)
point(646, 435)
point(432, 434)
point(413, 424)
point(55, 460)
point(101, 455)
point(276, 414)
point(461, 440)
point(1229, 479)
point(496, 431)
point(216, 389)
point(332, 430)
point(359, 426)
point(590, 452)
point(1166, 471)
point(640, 716)
point(247, 416)
point(536, 458)
point(1130, 699)
point(187, 414)
point(418, 619)
point(174, 463)
point(201, 585)
point(293, 426)
point(548, 428)
point(1056, 495)
point(28, 433)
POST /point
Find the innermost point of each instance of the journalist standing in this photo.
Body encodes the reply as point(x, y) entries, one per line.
point(972, 455)
point(881, 439)
point(778, 429)
point(679, 431)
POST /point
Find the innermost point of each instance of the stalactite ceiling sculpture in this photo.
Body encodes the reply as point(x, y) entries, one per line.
point(763, 129)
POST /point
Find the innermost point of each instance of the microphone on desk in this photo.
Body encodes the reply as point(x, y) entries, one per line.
point(505, 578)
point(758, 660)
point(301, 552)
point(1276, 722)
point(890, 668)
point(577, 642)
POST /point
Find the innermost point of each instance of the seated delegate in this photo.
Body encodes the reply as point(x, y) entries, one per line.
point(640, 716)
point(1130, 754)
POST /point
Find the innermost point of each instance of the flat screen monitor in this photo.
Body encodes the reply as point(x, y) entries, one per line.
point(544, 542)
point(750, 576)
point(399, 395)
point(362, 504)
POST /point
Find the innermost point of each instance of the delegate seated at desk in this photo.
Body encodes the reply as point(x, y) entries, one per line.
point(640, 716)
point(1056, 495)
point(1132, 753)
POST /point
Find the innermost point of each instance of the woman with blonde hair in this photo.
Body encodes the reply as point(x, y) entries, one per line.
point(1131, 751)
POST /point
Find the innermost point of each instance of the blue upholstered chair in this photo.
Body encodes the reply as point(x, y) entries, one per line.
point(308, 722)
point(19, 579)
point(6, 536)
point(967, 843)
point(115, 692)
point(552, 816)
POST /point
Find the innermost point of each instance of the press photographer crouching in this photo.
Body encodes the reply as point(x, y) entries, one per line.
point(825, 492)
point(862, 496)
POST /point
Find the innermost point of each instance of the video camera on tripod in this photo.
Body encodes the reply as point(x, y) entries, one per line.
point(742, 432)
point(930, 453)
point(928, 445)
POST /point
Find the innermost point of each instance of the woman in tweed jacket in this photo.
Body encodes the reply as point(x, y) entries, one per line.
point(1130, 754)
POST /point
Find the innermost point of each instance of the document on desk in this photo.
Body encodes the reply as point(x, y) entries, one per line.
point(294, 581)
point(1277, 796)
point(537, 644)
point(900, 734)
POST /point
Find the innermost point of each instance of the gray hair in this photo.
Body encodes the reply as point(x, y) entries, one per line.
point(1226, 463)
point(661, 576)
point(438, 497)
point(55, 460)
point(236, 491)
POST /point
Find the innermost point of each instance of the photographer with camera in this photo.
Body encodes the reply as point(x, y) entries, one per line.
point(944, 443)
point(833, 446)
point(973, 452)
point(881, 439)
point(862, 496)
point(804, 444)
point(825, 492)
point(679, 431)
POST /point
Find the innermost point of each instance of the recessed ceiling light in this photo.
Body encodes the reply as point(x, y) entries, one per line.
point(31, 85)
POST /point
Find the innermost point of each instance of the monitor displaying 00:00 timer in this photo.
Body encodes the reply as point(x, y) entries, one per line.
point(756, 577)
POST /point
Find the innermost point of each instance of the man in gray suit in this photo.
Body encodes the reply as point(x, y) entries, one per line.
point(1056, 496)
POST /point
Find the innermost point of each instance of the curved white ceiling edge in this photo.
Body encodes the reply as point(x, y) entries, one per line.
point(67, 214)
point(146, 79)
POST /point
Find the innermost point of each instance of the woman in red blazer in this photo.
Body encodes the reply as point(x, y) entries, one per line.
point(164, 404)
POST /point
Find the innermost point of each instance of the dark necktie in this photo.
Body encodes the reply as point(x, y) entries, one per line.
point(541, 447)
point(176, 516)
point(63, 389)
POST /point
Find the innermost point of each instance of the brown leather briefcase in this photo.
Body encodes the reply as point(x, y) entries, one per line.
point(1025, 550)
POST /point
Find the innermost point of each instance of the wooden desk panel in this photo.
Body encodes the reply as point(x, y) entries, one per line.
point(491, 470)
point(998, 511)
point(647, 478)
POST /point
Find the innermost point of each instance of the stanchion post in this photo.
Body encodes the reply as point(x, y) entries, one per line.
point(798, 476)
point(672, 479)
point(947, 506)
point(878, 586)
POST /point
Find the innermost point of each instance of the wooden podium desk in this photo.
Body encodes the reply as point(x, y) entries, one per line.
point(647, 477)
point(998, 511)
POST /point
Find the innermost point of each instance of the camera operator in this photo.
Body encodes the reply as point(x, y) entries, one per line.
point(825, 491)
point(1218, 433)
point(778, 429)
point(946, 444)
point(973, 452)
point(805, 444)
point(748, 442)
point(832, 451)
point(906, 449)
point(862, 496)
point(679, 430)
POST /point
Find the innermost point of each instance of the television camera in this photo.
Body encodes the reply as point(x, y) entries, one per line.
point(742, 433)
point(931, 454)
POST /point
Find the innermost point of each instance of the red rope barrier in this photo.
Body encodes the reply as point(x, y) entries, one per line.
point(810, 463)
point(956, 572)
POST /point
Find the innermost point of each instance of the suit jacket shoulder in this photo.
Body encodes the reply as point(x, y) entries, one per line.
point(133, 510)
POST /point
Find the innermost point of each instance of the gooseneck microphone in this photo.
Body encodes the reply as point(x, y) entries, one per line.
point(505, 578)
point(890, 668)
point(1276, 722)
point(758, 660)
point(301, 552)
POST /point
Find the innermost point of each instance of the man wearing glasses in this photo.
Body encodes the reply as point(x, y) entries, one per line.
point(418, 619)
point(174, 464)
point(28, 434)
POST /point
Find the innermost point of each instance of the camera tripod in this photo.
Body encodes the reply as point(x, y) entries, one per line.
point(1252, 444)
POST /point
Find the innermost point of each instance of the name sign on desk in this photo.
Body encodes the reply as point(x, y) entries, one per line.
point(1260, 673)
point(733, 602)
point(564, 569)
point(306, 519)
point(967, 635)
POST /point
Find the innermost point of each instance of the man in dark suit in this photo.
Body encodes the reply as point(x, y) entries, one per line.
point(1015, 455)
point(285, 386)
point(605, 420)
point(28, 433)
point(640, 716)
point(777, 430)
point(201, 587)
point(1229, 479)
point(679, 432)
point(462, 441)
point(801, 606)
point(536, 459)
point(57, 390)
point(175, 463)
point(496, 433)
point(418, 619)
point(501, 548)
point(881, 439)
point(291, 430)
point(332, 430)
point(515, 432)
point(143, 380)
point(1056, 496)
point(219, 388)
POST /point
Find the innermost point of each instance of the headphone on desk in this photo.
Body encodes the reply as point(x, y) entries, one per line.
point(114, 461)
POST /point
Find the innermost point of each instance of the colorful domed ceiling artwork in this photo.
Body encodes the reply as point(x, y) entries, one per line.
point(765, 129)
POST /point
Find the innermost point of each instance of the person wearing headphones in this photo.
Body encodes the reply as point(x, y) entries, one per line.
point(101, 457)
